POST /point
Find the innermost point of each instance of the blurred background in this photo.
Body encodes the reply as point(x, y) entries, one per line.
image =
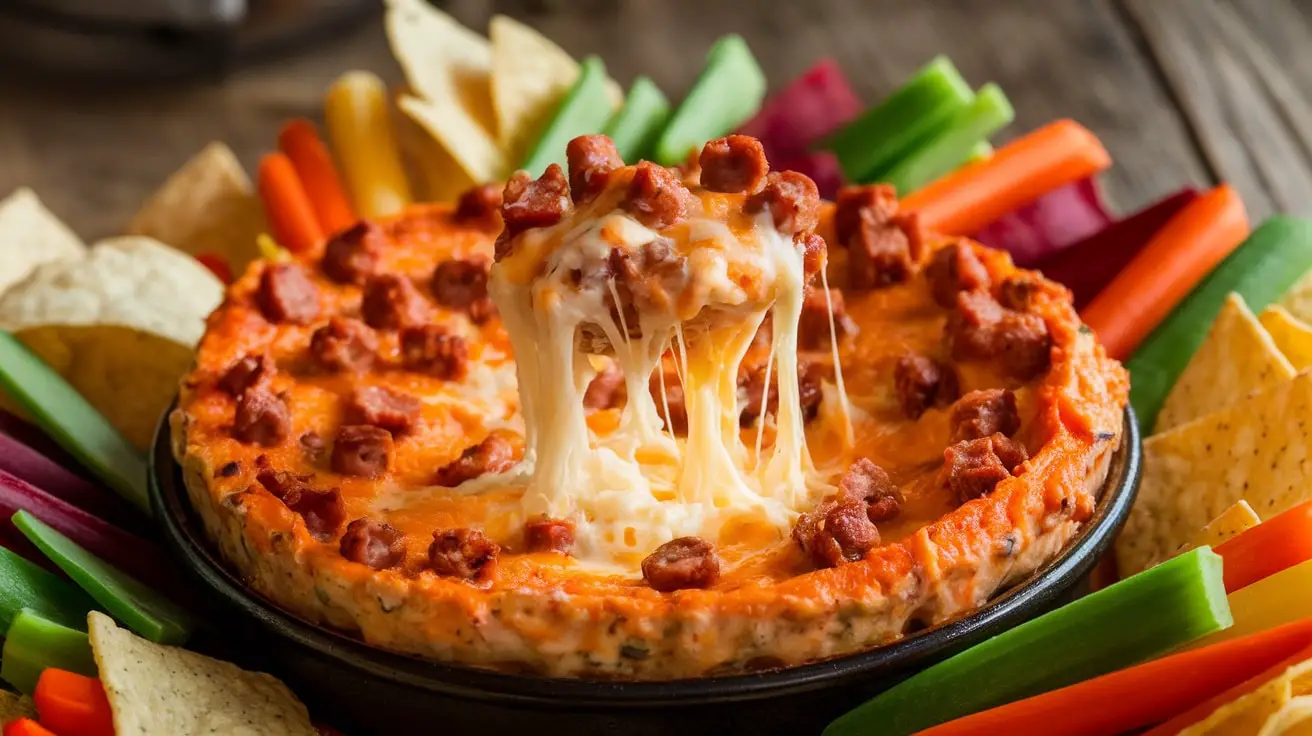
point(101, 99)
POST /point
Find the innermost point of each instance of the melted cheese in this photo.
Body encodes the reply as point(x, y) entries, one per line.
point(636, 487)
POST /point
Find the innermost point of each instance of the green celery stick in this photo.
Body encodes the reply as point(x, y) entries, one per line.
point(1273, 257)
point(122, 596)
point(71, 421)
point(945, 151)
point(584, 110)
point(979, 152)
point(34, 643)
point(727, 94)
point(891, 129)
point(643, 116)
point(25, 585)
point(1137, 619)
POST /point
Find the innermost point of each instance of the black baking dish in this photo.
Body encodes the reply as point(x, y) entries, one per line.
point(364, 690)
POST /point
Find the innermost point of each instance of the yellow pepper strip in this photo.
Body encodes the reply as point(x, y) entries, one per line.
point(361, 133)
point(270, 250)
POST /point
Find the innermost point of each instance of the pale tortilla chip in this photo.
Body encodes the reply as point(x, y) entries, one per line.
point(1237, 358)
point(1298, 299)
point(29, 236)
point(1295, 719)
point(207, 206)
point(1253, 712)
point(1227, 525)
point(1292, 335)
point(120, 325)
point(530, 76)
point(448, 67)
point(1257, 449)
point(14, 706)
point(158, 689)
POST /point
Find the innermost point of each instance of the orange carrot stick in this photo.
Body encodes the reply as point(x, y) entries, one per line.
point(1020, 172)
point(1206, 707)
point(314, 165)
point(1166, 270)
point(1274, 545)
point(26, 727)
point(1139, 696)
point(73, 705)
point(286, 206)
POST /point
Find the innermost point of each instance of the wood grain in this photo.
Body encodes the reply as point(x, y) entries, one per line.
point(95, 154)
point(1240, 69)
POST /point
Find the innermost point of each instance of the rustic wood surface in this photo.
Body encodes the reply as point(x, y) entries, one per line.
point(1180, 91)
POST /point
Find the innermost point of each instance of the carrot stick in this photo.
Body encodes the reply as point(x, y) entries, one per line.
point(1206, 707)
point(286, 205)
point(1020, 172)
point(1274, 545)
point(314, 165)
point(1139, 696)
point(1164, 272)
point(26, 727)
point(73, 705)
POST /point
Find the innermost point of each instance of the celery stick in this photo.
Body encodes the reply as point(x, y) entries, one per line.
point(891, 129)
point(1137, 619)
point(643, 116)
point(981, 151)
point(25, 585)
point(584, 110)
point(726, 94)
point(125, 598)
point(34, 643)
point(953, 144)
point(71, 421)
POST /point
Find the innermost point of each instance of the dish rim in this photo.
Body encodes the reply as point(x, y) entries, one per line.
point(183, 533)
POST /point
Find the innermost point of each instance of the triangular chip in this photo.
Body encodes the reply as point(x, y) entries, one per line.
point(207, 206)
point(1230, 523)
point(1237, 358)
point(530, 76)
point(470, 146)
point(1252, 712)
point(14, 706)
point(1298, 299)
point(1292, 335)
point(158, 689)
point(120, 325)
point(434, 172)
point(1257, 449)
point(29, 236)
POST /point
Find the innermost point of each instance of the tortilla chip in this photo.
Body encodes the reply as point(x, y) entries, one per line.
point(434, 172)
point(1292, 335)
point(530, 76)
point(1256, 449)
point(207, 206)
point(1252, 712)
point(30, 236)
point(1298, 299)
point(1295, 719)
point(1237, 358)
point(1230, 523)
point(120, 325)
point(449, 70)
point(158, 689)
point(14, 706)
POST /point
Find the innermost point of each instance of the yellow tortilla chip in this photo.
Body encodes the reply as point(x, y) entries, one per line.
point(1253, 712)
point(29, 236)
point(207, 206)
point(1292, 335)
point(158, 689)
point(1295, 719)
point(14, 706)
point(1237, 358)
point(448, 67)
point(530, 75)
point(1257, 449)
point(120, 325)
point(1230, 523)
point(434, 172)
point(1298, 299)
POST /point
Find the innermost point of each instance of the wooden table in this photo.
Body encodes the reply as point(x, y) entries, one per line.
point(1180, 91)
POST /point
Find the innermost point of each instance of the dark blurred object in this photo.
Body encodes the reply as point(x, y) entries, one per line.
point(137, 40)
